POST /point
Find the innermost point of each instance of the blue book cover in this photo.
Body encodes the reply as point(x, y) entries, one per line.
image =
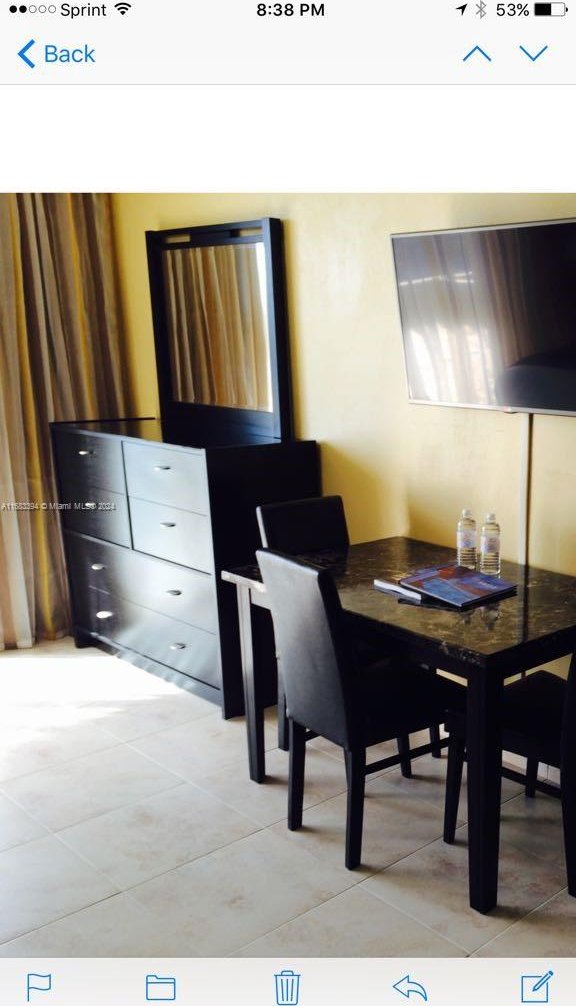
point(458, 586)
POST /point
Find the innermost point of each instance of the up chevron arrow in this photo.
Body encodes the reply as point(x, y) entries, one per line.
point(477, 49)
point(529, 54)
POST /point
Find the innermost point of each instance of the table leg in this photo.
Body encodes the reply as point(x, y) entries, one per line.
point(484, 752)
point(253, 708)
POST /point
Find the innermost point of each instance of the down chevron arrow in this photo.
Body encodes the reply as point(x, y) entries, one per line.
point(529, 54)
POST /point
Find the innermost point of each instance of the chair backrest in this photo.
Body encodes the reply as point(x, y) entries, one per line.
point(315, 653)
point(299, 526)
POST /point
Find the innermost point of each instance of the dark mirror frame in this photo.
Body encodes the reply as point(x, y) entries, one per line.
point(216, 420)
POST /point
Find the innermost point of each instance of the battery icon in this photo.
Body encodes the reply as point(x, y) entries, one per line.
point(550, 9)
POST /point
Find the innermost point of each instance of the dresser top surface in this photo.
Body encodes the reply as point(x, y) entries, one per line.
point(154, 430)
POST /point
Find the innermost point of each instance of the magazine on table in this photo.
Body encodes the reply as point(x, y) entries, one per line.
point(455, 586)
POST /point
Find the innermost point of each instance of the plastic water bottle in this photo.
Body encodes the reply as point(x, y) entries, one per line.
point(490, 545)
point(466, 540)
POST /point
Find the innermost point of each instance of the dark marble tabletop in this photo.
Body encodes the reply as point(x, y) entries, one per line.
point(519, 632)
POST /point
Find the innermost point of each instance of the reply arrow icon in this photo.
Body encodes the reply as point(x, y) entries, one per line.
point(406, 987)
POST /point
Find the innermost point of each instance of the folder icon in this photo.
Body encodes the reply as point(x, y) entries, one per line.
point(160, 989)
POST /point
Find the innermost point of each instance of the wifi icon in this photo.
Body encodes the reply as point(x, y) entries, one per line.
point(123, 8)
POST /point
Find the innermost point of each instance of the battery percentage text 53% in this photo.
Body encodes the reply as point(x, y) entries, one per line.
point(513, 10)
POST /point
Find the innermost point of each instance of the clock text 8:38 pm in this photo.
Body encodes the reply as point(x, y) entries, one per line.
point(291, 10)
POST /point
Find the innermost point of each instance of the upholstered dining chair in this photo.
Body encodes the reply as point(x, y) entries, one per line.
point(298, 526)
point(537, 723)
point(318, 524)
point(330, 693)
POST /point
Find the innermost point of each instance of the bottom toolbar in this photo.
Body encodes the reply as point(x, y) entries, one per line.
point(287, 982)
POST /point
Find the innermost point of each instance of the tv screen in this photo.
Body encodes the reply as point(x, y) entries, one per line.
point(489, 316)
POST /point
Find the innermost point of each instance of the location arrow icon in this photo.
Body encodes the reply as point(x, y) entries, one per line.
point(406, 987)
point(462, 8)
point(23, 52)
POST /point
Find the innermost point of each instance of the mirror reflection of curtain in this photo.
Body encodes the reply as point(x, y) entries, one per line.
point(465, 313)
point(217, 325)
point(60, 359)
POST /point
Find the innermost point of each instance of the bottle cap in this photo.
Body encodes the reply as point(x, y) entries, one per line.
point(490, 518)
point(466, 513)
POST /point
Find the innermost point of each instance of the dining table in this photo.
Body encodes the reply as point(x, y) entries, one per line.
point(484, 645)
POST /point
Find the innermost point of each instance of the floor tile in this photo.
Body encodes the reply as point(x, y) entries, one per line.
point(535, 825)
point(136, 717)
point(267, 803)
point(432, 887)
point(153, 836)
point(549, 931)
point(393, 827)
point(42, 881)
point(30, 748)
point(428, 782)
point(67, 794)
point(239, 893)
point(213, 743)
point(353, 924)
point(16, 827)
point(117, 927)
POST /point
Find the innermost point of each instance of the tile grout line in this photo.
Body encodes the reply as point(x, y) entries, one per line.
point(537, 908)
point(333, 897)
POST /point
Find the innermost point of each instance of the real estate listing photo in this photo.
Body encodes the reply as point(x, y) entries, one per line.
point(287, 575)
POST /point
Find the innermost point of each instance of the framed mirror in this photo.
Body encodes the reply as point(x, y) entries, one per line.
point(219, 311)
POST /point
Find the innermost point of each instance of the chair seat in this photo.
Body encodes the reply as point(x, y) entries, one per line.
point(531, 715)
point(396, 694)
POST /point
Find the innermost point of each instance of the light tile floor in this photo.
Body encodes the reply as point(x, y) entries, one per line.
point(129, 827)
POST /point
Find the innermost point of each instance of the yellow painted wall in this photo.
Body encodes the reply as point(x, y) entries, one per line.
point(402, 469)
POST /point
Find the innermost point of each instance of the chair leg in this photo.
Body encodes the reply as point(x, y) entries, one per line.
point(283, 730)
point(531, 776)
point(435, 741)
point(296, 780)
point(356, 775)
point(567, 785)
point(404, 752)
point(456, 751)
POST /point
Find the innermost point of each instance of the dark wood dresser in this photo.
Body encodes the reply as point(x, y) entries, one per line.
point(149, 523)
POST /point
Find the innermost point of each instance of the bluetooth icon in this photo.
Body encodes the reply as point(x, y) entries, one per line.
point(481, 9)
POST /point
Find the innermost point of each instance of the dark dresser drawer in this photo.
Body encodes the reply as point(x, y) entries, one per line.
point(176, 478)
point(185, 648)
point(93, 460)
point(180, 593)
point(176, 535)
point(97, 512)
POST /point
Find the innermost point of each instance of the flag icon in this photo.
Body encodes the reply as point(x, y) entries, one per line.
point(37, 983)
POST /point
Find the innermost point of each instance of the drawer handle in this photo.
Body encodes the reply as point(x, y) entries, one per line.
point(86, 454)
point(162, 468)
point(167, 523)
point(104, 614)
point(177, 646)
point(174, 593)
point(97, 566)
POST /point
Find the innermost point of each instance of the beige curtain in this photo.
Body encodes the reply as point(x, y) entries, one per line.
point(218, 334)
point(60, 359)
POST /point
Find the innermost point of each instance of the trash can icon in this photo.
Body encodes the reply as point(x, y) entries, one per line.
point(287, 988)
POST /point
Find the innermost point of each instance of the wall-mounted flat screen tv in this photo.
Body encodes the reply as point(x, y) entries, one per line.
point(489, 316)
